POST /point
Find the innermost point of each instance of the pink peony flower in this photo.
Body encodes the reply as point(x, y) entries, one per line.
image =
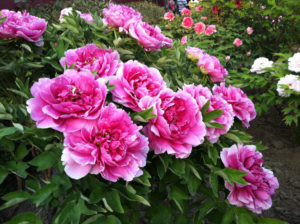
point(237, 42)
point(121, 16)
point(202, 95)
point(67, 11)
point(149, 37)
point(24, 25)
point(187, 22)
point(194, 53)
point(178, 126)
point(204, 18)
point(261, 183)
point(169, 16)
point(185, 12)
point(248, 53)
point(199, 8)
point(184, 40)
point(135, 82)
point(210, 30)
point(104, 62)
point(212, 66)
point(249, 30)
point(227, 58)
point(67, 102)
point(243, 107)
point(199, 28)
point(113, 147)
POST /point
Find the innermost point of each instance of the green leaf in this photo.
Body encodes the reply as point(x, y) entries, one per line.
point(18, 168)
point(144, 116)
point(144, 179)
point(228, 216)
point(243, 218)
point(13, 198)
point(195, 172)
point(232, 176)
point(43, 193)
point(138, 198)
point(214, 125)
point(205, 107)
point(271, 221)
point(233, 137)
point(178, 167)
point(213, 154)
point(2, 108)
point(212, 115)
point(7, 131)
point(3, 174)
point(97, 194)
point(206, 208)
point(44, 160)
point(113, 200)
point(213, 179)
point(21, 152)
point(193, 184)
point(25, 218)
point(6, 116)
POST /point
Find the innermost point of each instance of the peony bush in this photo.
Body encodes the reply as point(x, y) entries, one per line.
point(129, 125)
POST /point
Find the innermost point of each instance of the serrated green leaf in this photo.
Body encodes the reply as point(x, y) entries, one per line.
point(212, 115)
point(144, 116)
point(44, 160)
point(232, 176)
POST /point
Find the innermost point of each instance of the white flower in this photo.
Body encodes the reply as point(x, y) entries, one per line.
point(65, 11)
point(260, 64)
point(294, 63)
point(292, 81)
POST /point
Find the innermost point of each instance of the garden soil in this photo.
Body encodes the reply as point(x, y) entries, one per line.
point(283, 157)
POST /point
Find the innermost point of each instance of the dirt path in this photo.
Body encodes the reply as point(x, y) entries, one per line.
point(283, 157)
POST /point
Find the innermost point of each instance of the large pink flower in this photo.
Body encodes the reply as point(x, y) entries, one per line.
point(249, 30)
point(210, 30)
point(113, 147)
point(135, 82)
point(212, 66)
point(178, 125)
point(185, 12)
point(104, 62)
point(66, 11)
point(199, 28)
point(187, 22)
point(148, 36)
point(261, 183)
point(184, 40)
point(194, 53)
point(169, 16)
point(21, 25)
point(242, 106)
point(202, 95)
point(67, 102)
point(121, 16)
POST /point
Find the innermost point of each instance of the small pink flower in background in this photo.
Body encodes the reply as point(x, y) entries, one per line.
point(211, 65)
point(104, 62)
point(199, 28)
point(210, 30)
point(194, 53)
point(204, 18)
point(187, 22)
point(227, 58)
point(121, 16)
point(67, 11)
point(249, 30)
point(184, 40)
point(169, 16)
point(263, 7)
point(178, 126)
point(243, 107)
point(135, 82)
point(68, 102)
point(261, 183)
point(251, 3)
point(113, 147)
point(150, 37)
point(55, 44)
point(22, 25)
point(248, 53)
point(185, 12)
point(199, 8)
point(237, 42)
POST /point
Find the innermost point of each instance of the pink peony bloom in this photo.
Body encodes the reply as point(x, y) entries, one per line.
point(212, 66)
point(199, 8)
point(104, 62)
point(187, 22)
point(248, 53)
point(113, 147)
point(199, 28)
point(237, 42)
point(185, 12)
point(67, 102)
point(121, 16)
point(135, 82)
point(194, 53)
point(210, 30)
point(204, 18)
point(227, 58)
point(261, 183)
point(178, 126)
point(67, 11)
point(21, 25)
point(243, 107)
point(149, 37)
point(169, 16)
point(249, 30)
point(202, 95)
point(184, 40)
